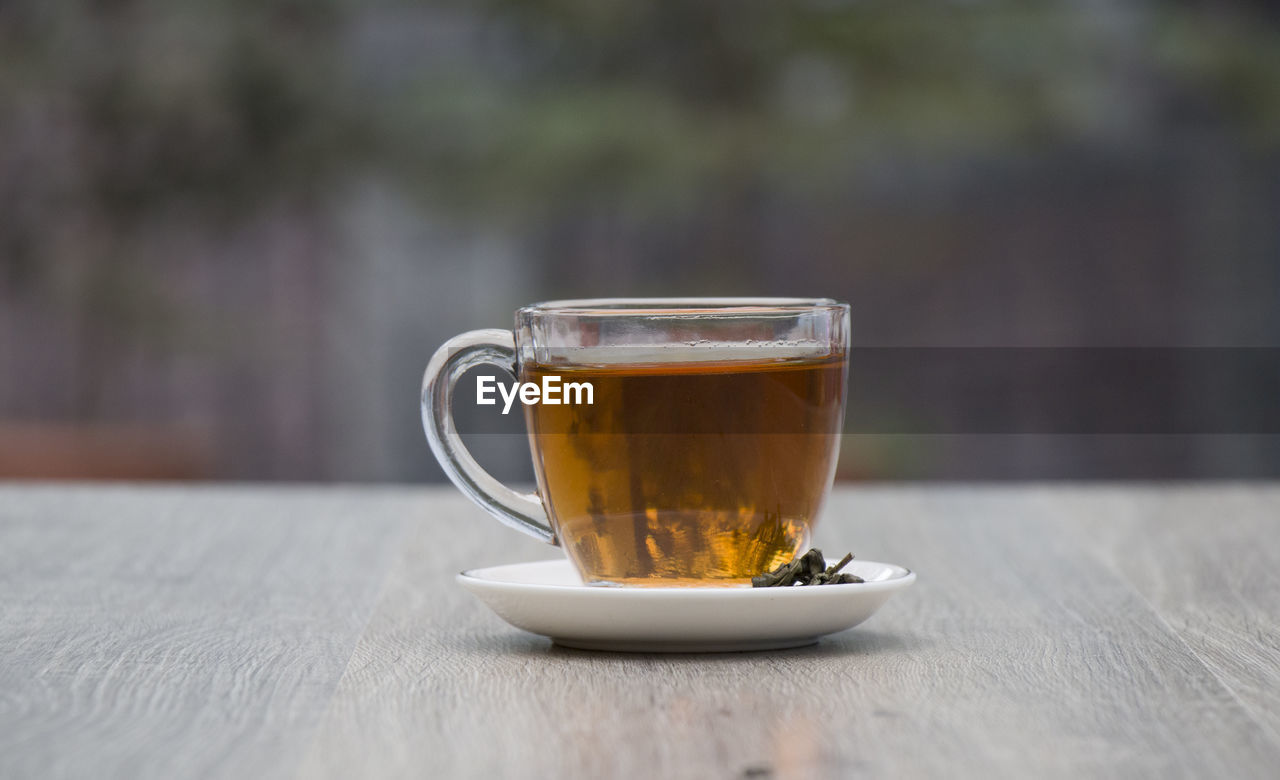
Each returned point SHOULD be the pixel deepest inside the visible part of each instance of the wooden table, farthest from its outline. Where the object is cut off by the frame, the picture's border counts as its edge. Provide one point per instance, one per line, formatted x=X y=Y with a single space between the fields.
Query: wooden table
x=250 y=632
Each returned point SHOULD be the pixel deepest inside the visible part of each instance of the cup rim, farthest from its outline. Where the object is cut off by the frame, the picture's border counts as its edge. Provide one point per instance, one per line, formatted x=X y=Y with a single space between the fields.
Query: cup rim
x=702 y=307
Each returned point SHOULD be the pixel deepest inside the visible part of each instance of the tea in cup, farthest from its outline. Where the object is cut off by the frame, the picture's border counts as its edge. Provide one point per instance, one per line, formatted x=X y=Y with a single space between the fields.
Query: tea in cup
x=674 y=441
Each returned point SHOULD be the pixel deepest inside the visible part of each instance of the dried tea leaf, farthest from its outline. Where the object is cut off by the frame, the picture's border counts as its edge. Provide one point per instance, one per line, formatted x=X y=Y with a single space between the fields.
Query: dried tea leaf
x=838 y=566
x=809 y=569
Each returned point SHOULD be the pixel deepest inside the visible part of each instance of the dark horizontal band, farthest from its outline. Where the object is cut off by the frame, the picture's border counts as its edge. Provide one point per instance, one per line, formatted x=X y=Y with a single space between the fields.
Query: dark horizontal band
x=1032 y=390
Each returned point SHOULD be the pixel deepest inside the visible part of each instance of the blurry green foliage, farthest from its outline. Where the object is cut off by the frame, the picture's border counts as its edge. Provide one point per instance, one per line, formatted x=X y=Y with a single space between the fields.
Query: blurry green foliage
x=653 y=104
x=529 y=108
x=134 y=132
x=143 y=101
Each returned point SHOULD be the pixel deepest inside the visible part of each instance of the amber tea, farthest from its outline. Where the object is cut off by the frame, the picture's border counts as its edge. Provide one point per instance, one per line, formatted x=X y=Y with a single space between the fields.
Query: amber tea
x=688 y=472
x=676 y=441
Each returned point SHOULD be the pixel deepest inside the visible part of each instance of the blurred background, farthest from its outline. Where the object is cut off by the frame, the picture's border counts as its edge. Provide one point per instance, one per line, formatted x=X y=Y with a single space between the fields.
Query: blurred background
x=232 y=233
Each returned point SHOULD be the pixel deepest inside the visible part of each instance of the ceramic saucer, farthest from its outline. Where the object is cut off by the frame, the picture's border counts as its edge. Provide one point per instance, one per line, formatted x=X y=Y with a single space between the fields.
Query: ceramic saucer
x=548 y=598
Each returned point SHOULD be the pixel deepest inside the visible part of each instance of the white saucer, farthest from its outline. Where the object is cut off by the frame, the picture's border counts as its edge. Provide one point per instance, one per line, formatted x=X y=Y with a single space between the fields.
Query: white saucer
x=548 y=598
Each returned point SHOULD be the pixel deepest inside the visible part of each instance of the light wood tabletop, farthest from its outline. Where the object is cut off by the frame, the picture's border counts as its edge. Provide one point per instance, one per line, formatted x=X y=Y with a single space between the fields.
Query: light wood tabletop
x=256 y=632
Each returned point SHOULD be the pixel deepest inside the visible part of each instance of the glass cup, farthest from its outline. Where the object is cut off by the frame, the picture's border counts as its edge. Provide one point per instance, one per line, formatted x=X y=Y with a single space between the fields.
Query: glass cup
x=675 y=441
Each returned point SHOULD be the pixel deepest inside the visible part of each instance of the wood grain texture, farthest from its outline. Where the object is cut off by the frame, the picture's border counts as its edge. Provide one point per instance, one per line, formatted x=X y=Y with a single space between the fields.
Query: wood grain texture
x=180 y=632
x=261 y=632
x=1208 y=560
x=1020 y=652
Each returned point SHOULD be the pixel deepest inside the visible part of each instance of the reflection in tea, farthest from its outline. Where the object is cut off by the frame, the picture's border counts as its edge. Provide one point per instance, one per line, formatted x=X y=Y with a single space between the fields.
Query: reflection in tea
x=688 y=472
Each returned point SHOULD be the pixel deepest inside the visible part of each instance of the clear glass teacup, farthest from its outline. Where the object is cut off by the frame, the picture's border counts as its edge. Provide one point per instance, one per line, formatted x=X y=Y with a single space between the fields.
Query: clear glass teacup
x=675 y=441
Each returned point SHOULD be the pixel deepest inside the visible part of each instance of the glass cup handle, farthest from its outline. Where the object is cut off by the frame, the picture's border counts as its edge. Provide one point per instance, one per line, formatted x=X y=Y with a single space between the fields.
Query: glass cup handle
x=522 y=511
